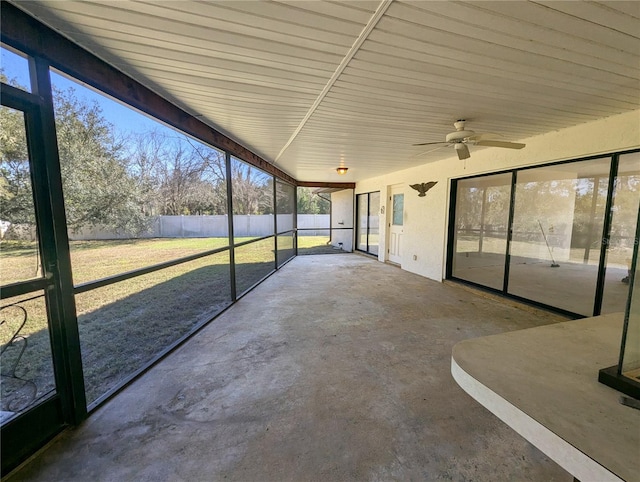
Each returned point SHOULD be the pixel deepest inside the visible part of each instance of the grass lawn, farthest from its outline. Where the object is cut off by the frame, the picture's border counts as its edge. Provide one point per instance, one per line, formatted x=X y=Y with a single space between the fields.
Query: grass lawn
x=316 y=245
x=305 y=242
x=123 y=325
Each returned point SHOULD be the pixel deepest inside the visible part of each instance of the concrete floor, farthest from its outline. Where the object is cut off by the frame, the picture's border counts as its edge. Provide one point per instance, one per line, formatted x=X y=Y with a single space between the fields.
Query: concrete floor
x=336 y=368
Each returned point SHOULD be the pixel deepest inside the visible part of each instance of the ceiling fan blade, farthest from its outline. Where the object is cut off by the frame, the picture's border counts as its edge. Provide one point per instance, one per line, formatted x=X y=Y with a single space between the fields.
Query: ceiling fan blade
x=484 y=135
x=463 y=151
x=428 y=143
x=427 y=152
x=508 y=145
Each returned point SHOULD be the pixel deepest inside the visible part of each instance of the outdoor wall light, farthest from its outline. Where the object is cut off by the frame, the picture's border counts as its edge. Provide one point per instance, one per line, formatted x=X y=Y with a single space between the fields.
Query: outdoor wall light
x=342 y=170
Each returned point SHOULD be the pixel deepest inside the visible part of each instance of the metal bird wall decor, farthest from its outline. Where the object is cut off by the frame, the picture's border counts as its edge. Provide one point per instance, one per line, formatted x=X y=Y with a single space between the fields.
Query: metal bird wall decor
x=422 y=188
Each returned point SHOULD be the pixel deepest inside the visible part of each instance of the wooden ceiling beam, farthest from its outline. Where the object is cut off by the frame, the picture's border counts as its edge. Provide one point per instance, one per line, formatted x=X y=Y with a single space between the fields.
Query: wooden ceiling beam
x=333 y=185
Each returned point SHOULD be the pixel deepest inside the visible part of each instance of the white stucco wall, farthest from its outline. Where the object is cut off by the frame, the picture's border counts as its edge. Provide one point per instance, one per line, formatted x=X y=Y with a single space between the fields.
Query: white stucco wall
x=426 y=217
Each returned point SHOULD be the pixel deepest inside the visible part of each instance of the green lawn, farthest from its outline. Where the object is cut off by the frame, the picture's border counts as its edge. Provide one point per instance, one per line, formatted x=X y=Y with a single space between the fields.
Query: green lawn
x=316 y=245
x=123 y=325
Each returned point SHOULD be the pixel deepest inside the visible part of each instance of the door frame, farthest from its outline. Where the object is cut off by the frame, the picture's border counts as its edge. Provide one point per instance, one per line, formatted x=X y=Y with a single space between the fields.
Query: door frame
x=391 y=190
x=29 y=430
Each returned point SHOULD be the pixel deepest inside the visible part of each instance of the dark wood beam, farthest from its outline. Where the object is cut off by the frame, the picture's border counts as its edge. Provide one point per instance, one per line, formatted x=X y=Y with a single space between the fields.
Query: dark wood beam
x=32 y=37
x=333 y=185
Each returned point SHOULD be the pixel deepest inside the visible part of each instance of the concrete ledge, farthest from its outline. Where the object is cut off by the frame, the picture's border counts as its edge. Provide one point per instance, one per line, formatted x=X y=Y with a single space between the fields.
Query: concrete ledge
x=542 y=382
x=564 y=454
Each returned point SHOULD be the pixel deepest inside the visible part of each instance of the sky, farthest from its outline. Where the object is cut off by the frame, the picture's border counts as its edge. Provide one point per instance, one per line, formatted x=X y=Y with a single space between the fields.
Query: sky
x=123 y=118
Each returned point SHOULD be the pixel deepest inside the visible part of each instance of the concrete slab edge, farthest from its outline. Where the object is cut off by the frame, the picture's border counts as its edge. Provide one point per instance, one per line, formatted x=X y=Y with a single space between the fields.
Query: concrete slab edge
x=564 y=454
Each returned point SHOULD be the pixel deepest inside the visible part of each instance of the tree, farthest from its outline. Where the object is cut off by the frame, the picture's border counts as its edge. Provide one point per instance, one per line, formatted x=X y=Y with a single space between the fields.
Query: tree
x=310 y=203
x=16 y=197
x=121 y=182
x=252 y=189
x=285 y=198
x=98 y=189
x=178 y=176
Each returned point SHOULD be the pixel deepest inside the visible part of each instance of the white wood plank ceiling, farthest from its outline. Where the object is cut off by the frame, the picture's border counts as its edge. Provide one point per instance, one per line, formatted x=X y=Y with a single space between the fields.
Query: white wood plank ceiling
x=308 y=85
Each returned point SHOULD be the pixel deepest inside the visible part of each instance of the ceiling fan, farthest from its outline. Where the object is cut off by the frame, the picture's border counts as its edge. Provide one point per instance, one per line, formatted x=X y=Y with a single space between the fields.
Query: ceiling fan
x=461 y=139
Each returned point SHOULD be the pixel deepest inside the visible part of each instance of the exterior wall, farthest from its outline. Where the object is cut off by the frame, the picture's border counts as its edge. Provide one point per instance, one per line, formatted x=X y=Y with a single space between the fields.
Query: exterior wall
x=342 y=217
x=425 y=233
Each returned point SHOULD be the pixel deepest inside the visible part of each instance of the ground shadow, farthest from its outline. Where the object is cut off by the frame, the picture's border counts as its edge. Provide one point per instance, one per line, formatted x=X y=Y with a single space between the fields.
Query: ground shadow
x=323 y=249
x=121 y=337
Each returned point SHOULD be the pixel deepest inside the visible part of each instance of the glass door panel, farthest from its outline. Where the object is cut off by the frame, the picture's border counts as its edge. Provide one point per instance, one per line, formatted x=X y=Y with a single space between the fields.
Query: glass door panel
x=626 y=200
x=374 y=222
x=630 y=356
x=362 y=221
x=557 y=234
x=480 y=238
x=19 y=256
x=398 y=209
x=27 y=376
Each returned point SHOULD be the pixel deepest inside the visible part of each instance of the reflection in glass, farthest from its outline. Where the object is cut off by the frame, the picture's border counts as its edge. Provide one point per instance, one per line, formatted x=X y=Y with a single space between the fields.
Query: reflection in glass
x=374 y=222
x=123 y=326
x=19 y=251
x=557 y=234
x=480 y=239
x=626 y=200
x=252 y=201
x=25 y=354
x=253 y=262
x=15 y=68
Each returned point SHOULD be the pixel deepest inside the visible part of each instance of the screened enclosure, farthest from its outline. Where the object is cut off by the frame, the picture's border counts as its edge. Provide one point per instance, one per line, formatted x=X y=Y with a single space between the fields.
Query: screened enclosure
x=121 y=237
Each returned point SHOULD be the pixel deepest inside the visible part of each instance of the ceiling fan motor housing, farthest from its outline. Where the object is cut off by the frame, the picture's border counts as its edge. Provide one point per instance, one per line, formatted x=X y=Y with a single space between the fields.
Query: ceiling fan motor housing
x=458 y=136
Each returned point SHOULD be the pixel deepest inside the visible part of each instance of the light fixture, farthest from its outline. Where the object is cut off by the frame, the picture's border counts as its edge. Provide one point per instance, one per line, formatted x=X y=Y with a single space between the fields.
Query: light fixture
x=342 y=170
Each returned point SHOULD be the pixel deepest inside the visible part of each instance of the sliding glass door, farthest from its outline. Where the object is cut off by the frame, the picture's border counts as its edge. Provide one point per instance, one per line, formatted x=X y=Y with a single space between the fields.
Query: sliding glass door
x=368 y=229
x=558 y=235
